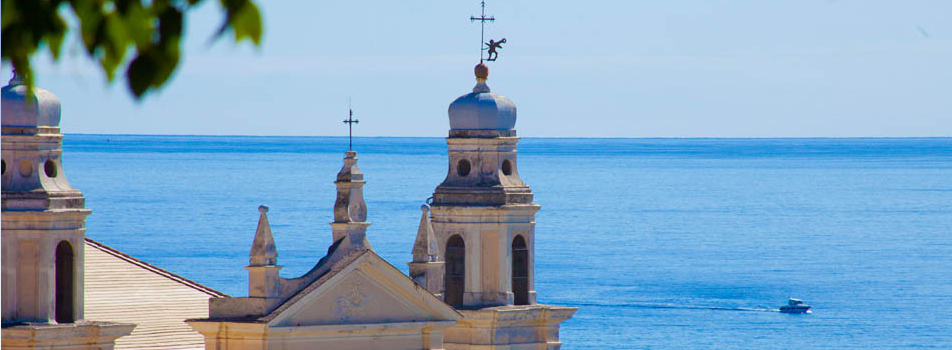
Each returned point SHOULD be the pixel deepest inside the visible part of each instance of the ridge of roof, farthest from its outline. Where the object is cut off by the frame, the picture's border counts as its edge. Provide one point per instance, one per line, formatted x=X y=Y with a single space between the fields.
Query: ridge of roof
x=155 y=269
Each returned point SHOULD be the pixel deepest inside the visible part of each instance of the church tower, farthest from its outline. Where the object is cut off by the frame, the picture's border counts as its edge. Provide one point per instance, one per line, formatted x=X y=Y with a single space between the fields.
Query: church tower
x=482 y=212
x=479 y=238
x=44 y=221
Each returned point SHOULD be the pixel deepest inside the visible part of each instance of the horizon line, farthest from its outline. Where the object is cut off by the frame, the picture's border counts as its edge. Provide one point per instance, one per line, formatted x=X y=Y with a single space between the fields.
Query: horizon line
x=541 y=137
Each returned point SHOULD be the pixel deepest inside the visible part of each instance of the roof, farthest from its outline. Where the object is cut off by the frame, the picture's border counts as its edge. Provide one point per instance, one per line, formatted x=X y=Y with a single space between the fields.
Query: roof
x=121 y=288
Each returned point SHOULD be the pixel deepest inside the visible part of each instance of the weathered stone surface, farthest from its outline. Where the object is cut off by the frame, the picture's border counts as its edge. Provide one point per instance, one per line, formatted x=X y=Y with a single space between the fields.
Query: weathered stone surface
x=525 y=326
x=482 y=171
x=83 y=335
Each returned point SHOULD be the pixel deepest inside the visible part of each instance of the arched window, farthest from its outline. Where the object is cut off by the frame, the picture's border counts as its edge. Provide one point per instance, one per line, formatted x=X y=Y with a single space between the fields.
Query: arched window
x=520 y=271
x=64 y=282
x=454 y=279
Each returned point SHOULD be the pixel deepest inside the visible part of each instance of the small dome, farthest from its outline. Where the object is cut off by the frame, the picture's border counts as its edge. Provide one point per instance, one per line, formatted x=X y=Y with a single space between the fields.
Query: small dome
x=482 y=109
x=17 y=112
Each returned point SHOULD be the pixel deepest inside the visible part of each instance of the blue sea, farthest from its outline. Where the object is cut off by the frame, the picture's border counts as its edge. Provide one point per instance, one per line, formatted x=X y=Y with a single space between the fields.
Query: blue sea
x=660 y=243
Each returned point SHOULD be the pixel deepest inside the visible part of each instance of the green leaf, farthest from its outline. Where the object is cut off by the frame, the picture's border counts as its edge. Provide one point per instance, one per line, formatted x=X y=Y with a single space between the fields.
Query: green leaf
x=247 y=23
x=244 y=19
x=170 y=24
x=140 y=74
x=90 y=22
x=10 y=14
x=54 y=38
x=138 y=23
x=110 y=29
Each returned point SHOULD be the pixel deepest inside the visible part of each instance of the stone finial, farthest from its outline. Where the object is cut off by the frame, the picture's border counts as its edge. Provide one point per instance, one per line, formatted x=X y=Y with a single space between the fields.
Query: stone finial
x=263 y=251
x=482 y=72
x=350 y=211
x=350 y=206
x=350 y=171
x=425 y=247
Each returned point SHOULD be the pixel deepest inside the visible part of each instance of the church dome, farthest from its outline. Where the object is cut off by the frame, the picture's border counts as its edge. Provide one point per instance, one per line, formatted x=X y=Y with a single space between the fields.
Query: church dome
x=17 y=112
x=482 y=109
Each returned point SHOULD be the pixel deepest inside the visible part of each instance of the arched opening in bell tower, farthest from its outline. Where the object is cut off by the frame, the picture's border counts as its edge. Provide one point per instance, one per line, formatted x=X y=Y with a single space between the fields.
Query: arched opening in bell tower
x=454 y=279
x=520 y=271
x=64 y=282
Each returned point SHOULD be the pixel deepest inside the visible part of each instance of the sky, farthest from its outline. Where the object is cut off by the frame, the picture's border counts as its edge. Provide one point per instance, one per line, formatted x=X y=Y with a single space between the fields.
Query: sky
x=807 y=68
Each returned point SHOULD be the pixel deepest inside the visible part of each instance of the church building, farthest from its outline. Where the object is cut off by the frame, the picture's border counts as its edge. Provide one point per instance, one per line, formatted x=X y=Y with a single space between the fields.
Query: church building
x=471 y=282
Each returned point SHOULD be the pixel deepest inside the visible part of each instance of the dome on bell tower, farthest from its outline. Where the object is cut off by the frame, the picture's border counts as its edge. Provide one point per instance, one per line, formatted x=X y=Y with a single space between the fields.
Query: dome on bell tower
x=33 y=177
x=482 y=109
x=43 y=110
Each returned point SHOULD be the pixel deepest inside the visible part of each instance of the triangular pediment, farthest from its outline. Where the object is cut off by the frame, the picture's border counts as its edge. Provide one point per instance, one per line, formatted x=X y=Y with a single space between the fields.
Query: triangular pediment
x=367 y=290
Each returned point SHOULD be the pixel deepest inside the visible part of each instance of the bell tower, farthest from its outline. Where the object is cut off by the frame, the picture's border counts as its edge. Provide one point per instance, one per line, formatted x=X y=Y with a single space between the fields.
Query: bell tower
x=483 y=217
x=476 y=244
x=44 y=226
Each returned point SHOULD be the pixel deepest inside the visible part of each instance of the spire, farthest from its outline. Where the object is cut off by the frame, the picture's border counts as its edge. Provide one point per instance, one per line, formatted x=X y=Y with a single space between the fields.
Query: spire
x=350 y=206
x=263 y=251
x=425 y=248
x=350 y=211
x=426 y=269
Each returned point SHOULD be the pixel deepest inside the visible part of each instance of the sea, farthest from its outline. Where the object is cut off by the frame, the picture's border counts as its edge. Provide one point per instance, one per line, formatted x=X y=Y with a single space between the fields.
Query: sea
x=660 y=243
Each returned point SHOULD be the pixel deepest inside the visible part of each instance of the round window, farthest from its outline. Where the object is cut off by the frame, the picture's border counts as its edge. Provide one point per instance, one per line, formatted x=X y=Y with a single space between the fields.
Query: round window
x=506 y=167
x=463 y=167
x=50 y=168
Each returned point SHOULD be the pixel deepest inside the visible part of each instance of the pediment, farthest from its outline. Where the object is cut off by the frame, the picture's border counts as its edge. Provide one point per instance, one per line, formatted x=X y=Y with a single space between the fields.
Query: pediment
x=367 y=290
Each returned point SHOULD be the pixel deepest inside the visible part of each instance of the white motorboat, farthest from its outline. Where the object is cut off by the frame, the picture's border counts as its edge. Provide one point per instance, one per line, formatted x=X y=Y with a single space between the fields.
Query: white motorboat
x=795 y=306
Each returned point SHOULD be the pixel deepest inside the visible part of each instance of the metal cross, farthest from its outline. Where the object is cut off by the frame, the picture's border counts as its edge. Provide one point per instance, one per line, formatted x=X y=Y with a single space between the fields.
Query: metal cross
x=482 y=27
x=350 y=121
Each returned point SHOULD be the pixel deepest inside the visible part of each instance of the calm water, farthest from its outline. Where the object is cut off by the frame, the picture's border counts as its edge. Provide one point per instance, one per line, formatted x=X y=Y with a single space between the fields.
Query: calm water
x=661 y=243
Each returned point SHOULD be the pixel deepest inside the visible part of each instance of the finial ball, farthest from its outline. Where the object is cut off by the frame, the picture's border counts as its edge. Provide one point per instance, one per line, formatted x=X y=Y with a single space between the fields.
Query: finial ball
x=482 y=71
x=263 y=209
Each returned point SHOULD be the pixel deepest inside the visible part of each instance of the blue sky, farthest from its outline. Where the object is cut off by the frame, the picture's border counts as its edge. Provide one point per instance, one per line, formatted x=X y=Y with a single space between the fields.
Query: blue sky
x=810 y=68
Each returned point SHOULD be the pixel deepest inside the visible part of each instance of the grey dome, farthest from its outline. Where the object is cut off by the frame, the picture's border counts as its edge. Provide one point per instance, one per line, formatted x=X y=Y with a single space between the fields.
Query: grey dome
x=482 y=109
x=17 y=112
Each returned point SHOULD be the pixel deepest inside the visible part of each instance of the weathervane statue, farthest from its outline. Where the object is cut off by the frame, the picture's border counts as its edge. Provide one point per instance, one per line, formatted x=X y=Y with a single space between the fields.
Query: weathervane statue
x=492 y=45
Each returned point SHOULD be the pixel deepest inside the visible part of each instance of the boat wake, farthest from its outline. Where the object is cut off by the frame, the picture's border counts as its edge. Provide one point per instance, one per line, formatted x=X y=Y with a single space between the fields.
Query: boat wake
x=676 y=306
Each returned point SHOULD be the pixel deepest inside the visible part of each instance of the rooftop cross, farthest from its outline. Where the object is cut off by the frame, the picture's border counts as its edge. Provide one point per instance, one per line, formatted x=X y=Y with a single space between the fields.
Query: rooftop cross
x=482 y=28
x=350 y=121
